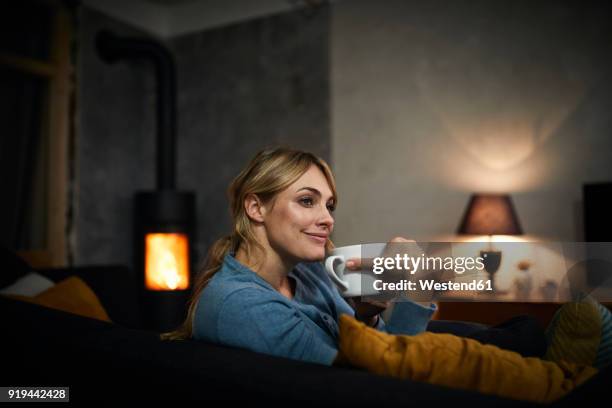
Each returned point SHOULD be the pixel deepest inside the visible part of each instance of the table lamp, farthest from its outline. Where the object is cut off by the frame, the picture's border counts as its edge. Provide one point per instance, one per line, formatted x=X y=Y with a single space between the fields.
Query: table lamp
x=490 y=214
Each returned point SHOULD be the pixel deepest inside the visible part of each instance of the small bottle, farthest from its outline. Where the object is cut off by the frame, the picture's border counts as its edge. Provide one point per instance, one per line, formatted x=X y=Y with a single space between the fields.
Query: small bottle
x=523 y=282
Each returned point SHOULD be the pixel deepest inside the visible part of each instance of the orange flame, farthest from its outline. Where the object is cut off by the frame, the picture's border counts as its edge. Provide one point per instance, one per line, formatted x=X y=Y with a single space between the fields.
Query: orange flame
x=166 y=262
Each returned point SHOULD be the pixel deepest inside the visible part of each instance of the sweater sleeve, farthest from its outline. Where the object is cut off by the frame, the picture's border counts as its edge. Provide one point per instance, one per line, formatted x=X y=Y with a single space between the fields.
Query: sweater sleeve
x=255 y=320
x=408 y=317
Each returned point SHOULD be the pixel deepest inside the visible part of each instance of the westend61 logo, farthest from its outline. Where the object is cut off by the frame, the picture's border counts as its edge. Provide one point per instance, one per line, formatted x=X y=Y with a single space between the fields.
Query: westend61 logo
x=411 y=264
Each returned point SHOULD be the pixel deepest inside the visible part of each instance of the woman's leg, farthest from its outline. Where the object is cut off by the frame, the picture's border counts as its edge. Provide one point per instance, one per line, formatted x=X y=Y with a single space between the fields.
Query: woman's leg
x=459 y=362
x=521 y=334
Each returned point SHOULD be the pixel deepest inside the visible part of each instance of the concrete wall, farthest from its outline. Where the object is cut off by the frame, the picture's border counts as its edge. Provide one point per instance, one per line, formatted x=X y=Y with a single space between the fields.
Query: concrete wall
x=243 y=88
x=114 y=146
x=240 y=88
x=434 y=100
x=430 y=101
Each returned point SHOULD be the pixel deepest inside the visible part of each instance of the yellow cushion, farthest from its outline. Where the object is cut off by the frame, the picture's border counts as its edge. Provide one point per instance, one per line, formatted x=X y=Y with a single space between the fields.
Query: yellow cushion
x=458 y=362
x=71 y=295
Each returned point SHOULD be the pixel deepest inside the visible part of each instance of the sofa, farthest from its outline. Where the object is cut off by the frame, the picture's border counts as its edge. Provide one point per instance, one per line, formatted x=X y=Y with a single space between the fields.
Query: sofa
x=108 y=362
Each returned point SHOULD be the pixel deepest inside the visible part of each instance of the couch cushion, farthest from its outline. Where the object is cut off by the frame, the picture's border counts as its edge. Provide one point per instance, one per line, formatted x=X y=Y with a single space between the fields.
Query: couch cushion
x=31 y=284
x=114 y=285
x=70 y=295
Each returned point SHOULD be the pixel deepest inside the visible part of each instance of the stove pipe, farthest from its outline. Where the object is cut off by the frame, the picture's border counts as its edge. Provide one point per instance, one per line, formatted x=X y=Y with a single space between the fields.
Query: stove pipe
x=111 y=49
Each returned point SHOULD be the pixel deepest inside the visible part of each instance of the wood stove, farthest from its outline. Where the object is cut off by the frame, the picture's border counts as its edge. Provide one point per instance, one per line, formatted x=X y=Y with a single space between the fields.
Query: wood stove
x=164 y=219
x=163 y=233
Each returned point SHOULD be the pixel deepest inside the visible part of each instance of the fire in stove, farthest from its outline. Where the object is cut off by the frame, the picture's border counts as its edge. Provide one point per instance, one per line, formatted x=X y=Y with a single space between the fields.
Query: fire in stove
x=166 y=261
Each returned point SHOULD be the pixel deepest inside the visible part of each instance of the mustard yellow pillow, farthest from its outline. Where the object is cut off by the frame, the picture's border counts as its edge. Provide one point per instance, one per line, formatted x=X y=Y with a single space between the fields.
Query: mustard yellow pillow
x=71 y=295
x=452 y=361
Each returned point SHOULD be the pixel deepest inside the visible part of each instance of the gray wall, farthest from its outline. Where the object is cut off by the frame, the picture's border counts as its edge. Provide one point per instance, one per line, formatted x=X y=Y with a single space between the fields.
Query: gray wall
x=114 y=146
x=429 y=102
x=245 y=87
x=434 y=100
x=240 y=88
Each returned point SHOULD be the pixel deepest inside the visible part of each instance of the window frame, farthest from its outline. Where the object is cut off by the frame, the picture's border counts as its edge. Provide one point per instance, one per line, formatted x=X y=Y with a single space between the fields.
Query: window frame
x=58 y=71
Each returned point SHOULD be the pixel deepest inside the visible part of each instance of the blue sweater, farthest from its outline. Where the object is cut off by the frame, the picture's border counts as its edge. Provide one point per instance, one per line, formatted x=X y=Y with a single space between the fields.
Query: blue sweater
x=239 y=308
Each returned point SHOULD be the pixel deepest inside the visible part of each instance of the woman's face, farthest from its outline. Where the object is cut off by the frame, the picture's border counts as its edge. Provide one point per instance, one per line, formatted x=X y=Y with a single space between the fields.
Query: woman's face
x=299 y=220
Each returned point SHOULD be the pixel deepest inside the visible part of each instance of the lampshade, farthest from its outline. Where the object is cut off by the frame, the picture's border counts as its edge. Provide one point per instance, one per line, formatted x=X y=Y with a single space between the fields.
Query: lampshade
x=490 y=214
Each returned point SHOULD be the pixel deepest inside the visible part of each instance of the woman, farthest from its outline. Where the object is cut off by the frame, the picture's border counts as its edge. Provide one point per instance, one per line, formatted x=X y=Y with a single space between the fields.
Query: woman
x=263 y=287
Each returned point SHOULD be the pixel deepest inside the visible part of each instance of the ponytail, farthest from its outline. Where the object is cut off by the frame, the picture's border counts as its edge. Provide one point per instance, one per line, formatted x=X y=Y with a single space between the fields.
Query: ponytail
x=214 y=260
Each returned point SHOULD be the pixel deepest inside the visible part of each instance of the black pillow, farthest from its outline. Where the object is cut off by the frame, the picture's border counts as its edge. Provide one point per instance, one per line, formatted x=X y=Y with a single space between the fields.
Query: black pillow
x=12 y=267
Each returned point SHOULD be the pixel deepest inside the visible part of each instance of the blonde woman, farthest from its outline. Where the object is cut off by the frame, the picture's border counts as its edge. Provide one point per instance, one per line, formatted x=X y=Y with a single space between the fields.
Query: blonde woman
x=263 y=287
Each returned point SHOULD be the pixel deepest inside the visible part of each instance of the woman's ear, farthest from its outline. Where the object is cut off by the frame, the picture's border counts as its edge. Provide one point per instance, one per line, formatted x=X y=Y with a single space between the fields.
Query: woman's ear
x=254 y=208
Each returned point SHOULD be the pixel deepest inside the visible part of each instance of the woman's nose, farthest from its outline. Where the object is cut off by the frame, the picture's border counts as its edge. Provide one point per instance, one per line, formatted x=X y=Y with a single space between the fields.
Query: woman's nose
x=326 y=218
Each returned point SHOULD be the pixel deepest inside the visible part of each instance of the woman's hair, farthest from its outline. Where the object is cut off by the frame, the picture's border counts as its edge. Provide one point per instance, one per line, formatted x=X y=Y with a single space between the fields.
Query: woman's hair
x=269 y=172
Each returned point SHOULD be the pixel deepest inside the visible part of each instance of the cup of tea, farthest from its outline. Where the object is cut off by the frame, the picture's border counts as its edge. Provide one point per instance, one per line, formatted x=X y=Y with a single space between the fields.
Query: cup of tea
x=350 y=282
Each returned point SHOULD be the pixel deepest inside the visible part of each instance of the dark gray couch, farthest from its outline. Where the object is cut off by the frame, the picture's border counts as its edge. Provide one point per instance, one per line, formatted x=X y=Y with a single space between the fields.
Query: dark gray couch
x=111 y=362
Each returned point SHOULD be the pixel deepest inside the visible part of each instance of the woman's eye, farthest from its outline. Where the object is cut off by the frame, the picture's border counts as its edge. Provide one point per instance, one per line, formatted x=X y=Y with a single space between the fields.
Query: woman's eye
x=307 y=201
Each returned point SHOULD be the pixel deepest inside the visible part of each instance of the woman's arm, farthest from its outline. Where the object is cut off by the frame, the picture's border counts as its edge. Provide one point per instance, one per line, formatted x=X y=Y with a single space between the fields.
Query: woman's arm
x=408 y=317
x=259 y=321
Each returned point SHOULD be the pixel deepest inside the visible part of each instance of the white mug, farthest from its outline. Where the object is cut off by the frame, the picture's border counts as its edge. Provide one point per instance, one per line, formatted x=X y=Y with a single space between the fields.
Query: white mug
x=352 y=283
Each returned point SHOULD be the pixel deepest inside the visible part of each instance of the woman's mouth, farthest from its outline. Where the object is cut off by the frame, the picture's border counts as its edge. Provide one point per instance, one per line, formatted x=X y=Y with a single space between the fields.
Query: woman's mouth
x=319 y=238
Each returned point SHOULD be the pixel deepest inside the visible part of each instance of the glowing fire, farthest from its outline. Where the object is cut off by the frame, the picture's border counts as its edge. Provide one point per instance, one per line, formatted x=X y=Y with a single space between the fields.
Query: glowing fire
x=166 y=261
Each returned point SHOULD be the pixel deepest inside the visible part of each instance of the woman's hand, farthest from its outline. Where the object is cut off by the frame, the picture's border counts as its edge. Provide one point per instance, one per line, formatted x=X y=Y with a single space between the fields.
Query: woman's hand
x=367 y=311
x=355 y=264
